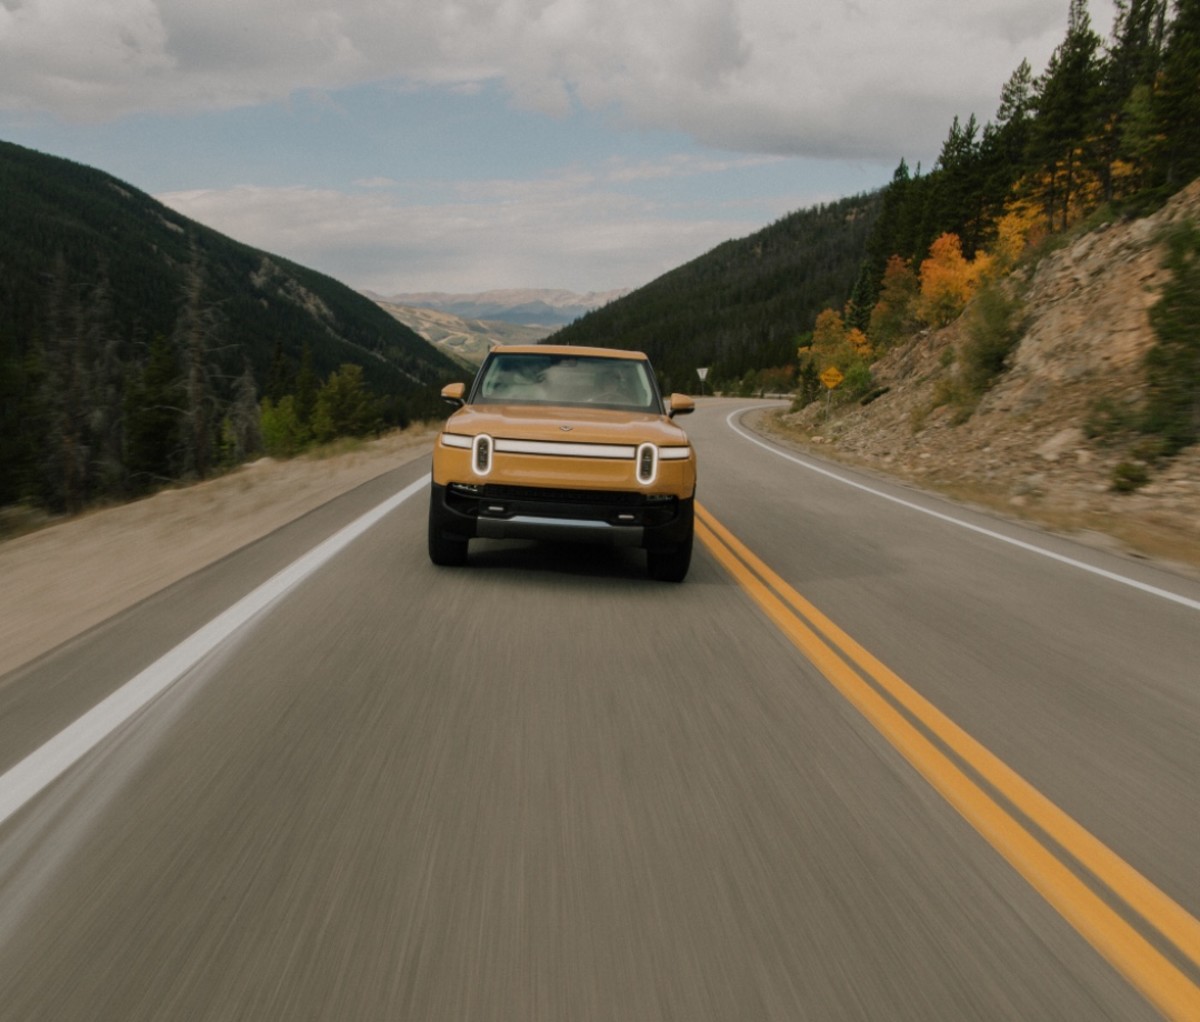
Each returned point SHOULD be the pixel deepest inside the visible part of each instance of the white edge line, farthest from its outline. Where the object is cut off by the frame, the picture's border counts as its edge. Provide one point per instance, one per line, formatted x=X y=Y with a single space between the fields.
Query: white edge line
x=42 y=766
x=1061 y=558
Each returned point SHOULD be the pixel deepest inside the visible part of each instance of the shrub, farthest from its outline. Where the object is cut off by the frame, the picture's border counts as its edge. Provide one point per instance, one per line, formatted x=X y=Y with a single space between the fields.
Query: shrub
x=993 y=329
x=283 y=434
x=1109 y=421
x=1129 y=476
x=857 y=380
x=1173 y=364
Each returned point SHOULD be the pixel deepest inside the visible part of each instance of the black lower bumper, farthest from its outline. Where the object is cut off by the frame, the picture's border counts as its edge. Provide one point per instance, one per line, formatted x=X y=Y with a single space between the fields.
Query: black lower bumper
x=615 y=518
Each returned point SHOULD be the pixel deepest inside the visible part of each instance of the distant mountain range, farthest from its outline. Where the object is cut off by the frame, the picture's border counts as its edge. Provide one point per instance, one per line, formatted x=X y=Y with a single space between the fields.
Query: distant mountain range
x=467 y=340
x=537 y=307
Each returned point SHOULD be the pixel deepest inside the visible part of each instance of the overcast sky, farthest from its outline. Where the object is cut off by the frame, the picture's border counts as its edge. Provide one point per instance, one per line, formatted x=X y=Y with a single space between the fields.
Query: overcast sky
x=464 y=145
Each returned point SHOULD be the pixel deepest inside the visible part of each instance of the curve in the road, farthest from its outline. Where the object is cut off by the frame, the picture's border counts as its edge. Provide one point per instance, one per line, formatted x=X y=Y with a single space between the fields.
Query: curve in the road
x=1113 y=576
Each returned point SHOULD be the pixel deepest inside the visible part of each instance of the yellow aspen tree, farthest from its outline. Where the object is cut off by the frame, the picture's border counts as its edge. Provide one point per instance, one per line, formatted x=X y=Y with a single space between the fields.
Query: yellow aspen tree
x=1021 y=225
x=835 y=344
x=829 y=331
x=947 y=281
x=894 y=315
x=858 y=343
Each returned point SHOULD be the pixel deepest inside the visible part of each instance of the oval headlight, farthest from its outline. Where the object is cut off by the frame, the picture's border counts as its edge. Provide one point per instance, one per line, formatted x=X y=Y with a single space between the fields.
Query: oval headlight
x=647 y=464
x=481 y=454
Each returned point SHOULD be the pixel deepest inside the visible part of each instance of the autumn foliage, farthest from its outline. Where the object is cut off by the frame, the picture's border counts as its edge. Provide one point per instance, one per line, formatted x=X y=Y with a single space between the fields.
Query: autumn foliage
x=1021 y=226
x=834 y=344
x=894 y=315
x=948 y=280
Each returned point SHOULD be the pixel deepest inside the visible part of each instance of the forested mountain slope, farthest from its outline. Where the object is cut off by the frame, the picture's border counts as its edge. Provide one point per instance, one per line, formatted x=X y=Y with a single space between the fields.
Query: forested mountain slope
x=113 y=306
x=1058 y=435
x=742 y=306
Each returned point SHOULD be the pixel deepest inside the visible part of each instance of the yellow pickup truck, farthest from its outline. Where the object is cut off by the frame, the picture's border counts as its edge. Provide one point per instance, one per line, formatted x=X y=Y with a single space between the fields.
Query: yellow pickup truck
x=565 y=443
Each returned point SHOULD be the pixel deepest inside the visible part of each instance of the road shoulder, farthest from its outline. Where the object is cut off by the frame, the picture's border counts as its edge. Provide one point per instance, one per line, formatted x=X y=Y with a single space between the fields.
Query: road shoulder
x=69 y=577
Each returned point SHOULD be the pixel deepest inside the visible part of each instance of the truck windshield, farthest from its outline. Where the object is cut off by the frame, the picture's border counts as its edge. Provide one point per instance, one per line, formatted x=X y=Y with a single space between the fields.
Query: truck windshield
x=535 y=379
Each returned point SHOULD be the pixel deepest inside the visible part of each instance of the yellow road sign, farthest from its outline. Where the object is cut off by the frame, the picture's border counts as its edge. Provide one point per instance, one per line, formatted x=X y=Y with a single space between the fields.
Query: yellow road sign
x=831 y=377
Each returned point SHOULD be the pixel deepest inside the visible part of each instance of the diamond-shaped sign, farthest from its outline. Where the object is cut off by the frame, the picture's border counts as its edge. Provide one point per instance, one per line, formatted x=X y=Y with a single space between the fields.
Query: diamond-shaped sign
x=831 y=377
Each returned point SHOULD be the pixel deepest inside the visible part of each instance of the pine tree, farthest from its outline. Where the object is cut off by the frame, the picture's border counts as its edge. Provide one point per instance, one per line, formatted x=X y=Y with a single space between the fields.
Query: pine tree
x=1008 y=143
x=960 y=184
x=193 y=331
x=306 y=389
x=1129 y=73
x=281 y=379
x=1068 y=116
x=15 y=457
x=890 y=236
x=344 y=406
x=1178 y=99
x=153 y=418
x=1135 y=55
x=107 y=419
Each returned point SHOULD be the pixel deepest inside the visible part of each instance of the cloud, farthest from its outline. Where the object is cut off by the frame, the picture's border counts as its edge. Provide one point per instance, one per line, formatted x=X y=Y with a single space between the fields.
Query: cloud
x=868 y=79
x=575 y=230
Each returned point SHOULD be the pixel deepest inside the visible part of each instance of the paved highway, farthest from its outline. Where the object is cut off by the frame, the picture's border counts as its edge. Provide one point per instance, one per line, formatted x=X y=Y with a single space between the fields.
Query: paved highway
x=879 y=757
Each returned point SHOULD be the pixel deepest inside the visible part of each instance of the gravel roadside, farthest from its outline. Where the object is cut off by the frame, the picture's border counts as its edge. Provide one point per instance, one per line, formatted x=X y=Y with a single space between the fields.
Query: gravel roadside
x=62 y=580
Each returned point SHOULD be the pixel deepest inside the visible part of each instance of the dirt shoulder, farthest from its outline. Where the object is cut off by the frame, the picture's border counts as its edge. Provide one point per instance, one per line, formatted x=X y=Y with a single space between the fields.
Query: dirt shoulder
x=66 y=578
x=1161 y=523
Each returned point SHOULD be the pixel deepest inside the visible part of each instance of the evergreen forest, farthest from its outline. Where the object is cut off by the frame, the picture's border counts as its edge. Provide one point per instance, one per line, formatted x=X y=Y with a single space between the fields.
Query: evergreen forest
x=739 y=308
x=138 y=347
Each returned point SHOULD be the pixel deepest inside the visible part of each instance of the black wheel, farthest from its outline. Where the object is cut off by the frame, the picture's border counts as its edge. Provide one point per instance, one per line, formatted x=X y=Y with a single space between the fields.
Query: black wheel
x=672 y=565
x=445 y=551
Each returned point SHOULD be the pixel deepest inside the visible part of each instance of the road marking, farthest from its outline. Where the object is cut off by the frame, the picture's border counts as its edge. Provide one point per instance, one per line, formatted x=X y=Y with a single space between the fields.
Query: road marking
x=42 y=766
x=1112 y=576
x=833 y=652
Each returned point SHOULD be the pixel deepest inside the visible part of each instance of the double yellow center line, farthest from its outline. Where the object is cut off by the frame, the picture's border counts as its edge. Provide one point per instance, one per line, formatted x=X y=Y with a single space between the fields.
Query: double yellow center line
x=912 y=724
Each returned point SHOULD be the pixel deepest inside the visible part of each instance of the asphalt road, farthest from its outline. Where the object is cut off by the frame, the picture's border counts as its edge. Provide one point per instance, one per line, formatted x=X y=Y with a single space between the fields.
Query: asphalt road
x=877 y=758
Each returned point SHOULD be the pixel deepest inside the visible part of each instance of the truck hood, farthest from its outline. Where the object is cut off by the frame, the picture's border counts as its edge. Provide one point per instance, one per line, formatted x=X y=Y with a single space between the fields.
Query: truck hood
x=571 y=425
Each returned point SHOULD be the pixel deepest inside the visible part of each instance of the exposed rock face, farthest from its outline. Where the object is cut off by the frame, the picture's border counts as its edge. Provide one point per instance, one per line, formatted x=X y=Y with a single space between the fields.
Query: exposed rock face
x=1026 y=448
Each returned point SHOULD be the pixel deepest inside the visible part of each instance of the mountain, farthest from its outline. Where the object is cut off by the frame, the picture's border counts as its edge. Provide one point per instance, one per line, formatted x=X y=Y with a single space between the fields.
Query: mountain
x=466 y=340
x=526 y=307
x=68 y=226
x=115 y=309
x=744 y=305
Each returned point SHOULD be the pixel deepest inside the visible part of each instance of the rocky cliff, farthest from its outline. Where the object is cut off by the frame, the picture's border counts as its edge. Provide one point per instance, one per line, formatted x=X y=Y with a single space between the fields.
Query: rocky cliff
x=1032 y=447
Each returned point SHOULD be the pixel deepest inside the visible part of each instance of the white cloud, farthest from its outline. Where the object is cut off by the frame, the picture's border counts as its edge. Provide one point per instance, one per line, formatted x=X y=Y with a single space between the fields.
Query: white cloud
x=848 y=83
x=872 y=78
x=570 y=231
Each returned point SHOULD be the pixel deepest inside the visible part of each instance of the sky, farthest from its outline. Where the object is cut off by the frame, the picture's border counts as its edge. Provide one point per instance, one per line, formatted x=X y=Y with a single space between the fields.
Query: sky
x=467 y=145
